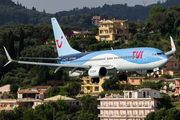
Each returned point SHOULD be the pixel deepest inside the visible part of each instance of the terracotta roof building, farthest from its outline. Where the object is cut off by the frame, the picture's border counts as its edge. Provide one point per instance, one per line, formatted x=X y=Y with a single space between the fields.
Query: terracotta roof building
x=38 y=92
x=70 y=101
x=113 y=30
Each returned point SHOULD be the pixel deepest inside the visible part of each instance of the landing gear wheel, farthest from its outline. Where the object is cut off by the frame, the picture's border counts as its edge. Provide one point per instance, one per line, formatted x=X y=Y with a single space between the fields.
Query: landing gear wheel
x=97 y=80
x=93 y=80
x=155 y=75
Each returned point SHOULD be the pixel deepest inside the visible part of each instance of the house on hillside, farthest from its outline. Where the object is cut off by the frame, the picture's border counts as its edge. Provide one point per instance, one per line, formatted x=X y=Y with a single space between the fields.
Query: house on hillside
x=95 y=20
x=136 y=81
x=113 y=30
x=38 y=92
x=92 y=88
x=170 y=68
x=5 y=88
x=70 y=101
x=177 y=86
x=10 y=104
x=134 y=105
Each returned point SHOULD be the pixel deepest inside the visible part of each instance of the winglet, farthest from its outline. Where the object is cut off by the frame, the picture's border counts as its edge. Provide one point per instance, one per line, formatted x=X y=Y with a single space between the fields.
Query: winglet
x=172 y=44
x=173 y=48
x=8 y=56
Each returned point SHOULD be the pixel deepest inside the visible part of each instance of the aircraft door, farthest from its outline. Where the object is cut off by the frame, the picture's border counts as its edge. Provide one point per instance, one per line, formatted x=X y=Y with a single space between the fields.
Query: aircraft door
x=145 y=54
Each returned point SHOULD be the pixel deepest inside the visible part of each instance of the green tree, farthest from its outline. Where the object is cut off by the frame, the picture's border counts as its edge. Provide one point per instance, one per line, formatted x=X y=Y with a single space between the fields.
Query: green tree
x=74 y=88
x=95 y=30
x=53 y=91
x=160 y=113
x=173 y=114
x=45 y=111
x=85 y=116
x=150 y=116
x=156 y=9
x=89 y=105
x=164 y=102
x=7 y=115
x=106 y=85
x=21 y=40
x=14 y=88
x=167 y=76
x=63 y=107
x=18 y=111
x=150 y=84
x=29 y=114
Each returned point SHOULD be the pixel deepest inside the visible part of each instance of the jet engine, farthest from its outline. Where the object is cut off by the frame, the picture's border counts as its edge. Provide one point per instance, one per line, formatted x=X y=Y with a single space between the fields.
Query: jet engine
x=97 y=72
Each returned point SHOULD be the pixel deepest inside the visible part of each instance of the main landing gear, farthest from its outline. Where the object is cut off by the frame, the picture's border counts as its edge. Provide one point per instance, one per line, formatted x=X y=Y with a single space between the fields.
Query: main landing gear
x=95 y=80
x=155 y=75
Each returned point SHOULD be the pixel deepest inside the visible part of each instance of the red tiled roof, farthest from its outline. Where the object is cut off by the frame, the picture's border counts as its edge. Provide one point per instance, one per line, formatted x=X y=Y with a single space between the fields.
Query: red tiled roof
x=41 y=87
x=27 y=91
x=160 y=78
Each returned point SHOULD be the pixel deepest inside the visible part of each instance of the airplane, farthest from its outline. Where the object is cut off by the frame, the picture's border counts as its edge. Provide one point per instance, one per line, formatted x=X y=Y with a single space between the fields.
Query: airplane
x=98 y=64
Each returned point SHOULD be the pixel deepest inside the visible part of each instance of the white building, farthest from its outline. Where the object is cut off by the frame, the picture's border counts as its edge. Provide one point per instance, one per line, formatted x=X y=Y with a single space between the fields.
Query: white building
x=135 y=105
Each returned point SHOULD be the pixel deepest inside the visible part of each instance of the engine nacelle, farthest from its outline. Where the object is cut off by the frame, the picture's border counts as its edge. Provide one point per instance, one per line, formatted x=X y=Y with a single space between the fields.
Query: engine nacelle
x=97 y=72
x=144 y=71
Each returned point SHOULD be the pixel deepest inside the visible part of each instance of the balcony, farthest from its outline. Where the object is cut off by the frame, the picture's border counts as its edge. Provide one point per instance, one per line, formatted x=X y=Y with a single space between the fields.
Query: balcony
x=122 y=115
x=103 y=28
x=129 y=106
x=177 y=85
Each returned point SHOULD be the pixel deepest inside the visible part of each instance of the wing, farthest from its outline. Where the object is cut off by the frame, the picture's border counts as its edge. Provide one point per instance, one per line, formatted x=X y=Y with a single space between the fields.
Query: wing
x=57 y=66
x=37 y=58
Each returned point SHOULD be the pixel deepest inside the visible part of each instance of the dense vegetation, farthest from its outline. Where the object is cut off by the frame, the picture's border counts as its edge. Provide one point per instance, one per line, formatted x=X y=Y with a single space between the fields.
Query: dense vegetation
x=58 y=110
x=30 y=41
x=13 y=14
x=166 y=110
x=27 y=41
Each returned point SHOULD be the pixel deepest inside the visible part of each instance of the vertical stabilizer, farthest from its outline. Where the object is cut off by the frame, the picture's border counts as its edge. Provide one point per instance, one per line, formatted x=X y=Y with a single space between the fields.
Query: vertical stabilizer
x=173 y=48
x=63 y=47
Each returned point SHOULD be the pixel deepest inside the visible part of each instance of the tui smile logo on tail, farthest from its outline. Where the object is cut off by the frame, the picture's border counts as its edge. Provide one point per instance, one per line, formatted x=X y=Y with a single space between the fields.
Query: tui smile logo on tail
x=58 y=43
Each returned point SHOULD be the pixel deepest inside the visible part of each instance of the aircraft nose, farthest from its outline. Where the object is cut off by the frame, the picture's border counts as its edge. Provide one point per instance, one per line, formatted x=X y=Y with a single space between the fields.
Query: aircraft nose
x=165 y=59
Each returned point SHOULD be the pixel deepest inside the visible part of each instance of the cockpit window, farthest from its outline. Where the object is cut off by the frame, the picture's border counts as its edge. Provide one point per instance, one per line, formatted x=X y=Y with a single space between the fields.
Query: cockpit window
x=160 y=53
x=154 y=54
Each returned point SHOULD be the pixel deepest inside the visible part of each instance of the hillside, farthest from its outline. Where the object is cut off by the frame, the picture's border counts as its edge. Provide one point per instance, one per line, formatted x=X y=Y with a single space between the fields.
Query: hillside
x=121 y=11
x=13 y=14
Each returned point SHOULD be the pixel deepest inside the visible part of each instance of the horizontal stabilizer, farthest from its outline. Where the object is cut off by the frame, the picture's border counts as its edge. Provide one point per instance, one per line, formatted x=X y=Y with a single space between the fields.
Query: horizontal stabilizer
x=8 y=56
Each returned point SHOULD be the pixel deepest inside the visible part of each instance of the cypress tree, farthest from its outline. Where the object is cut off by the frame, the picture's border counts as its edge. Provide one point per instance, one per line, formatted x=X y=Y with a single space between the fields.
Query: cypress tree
x=10 y=43
x=3 y=43
x=21 y=40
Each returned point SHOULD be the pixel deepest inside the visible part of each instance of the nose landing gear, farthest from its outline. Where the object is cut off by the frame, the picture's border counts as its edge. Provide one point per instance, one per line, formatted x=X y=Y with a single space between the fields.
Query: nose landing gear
x=155 y=72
